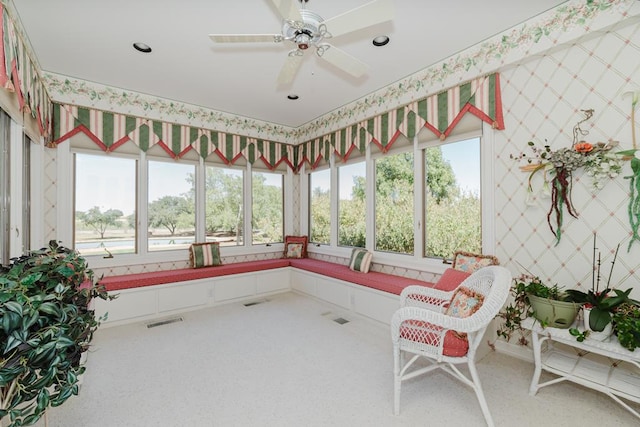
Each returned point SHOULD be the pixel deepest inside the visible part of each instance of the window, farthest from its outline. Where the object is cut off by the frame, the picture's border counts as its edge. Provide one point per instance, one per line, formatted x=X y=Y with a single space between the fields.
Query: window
x=394 y=230
x=352 y=209
x=5 y=176
x=105 y=204
x=320 y=206
x=452 y=197
x=26 y=192
x=267 y=218
x=224 y=208
x=171 y=206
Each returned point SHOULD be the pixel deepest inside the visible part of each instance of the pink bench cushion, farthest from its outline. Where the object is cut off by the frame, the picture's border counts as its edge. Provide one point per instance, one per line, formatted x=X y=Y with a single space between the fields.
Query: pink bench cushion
x=372 y=279
x=127 y=281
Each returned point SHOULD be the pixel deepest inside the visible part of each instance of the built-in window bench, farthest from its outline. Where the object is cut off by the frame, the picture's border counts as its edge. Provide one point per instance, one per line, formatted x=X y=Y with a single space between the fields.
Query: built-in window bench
x=154 y=295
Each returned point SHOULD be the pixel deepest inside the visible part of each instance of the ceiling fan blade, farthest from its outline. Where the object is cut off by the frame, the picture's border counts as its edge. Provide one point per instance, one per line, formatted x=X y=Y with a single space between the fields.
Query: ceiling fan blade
x=364 y=16
x=288 y=9
x=290 y=68
x=344 y=61
x=245 y=38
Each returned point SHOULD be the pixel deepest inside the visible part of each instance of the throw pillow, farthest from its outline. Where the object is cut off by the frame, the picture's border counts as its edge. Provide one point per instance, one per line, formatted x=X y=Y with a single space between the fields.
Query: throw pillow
x=204 y=254
x=293 y=240
x=360 y=260
x=469 y=262
x=450 y=279
x=464 y=302
x=294 y=250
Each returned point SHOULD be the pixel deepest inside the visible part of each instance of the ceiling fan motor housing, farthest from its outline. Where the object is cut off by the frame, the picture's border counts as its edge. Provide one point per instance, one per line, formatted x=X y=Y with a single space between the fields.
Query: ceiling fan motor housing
x=306 y=32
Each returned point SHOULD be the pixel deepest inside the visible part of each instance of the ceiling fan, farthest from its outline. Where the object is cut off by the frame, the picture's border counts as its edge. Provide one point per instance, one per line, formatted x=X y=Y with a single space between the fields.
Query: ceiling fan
x=306 y=28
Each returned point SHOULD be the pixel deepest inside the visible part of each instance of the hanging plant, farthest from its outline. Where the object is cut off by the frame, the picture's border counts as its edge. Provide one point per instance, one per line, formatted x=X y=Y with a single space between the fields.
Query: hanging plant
x=633 y=209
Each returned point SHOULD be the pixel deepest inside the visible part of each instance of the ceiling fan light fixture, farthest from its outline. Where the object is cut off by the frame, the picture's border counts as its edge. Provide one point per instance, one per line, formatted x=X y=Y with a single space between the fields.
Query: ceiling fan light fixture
x=380 y=41
x=142 y=47
x=302 y=40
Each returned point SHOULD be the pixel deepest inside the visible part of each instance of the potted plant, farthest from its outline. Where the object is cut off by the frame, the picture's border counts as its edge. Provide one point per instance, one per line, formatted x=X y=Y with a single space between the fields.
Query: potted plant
x=46 y=324
x=626 y=324
x=550 y=305
x=599 y=305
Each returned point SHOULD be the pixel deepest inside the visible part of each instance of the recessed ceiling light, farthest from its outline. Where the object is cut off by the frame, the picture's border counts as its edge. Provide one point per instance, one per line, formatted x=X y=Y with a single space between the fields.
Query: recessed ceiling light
x=380 y=41
x=141 y=47
x=292 y=97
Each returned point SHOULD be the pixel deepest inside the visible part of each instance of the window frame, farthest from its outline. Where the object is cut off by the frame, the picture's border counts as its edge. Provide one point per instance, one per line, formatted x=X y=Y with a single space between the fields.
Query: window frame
x=66 y=215
x=417 y=260
x=249 y=183
x=329 y=169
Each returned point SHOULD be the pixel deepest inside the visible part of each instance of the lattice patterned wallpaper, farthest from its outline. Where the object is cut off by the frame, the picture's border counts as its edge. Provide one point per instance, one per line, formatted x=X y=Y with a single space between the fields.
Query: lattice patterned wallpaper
x=50 y=202
x=542 y=98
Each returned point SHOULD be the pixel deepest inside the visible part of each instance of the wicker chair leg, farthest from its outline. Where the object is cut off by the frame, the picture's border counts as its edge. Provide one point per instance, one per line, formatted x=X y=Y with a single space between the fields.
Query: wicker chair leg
x=397 y=379
x=477 y=387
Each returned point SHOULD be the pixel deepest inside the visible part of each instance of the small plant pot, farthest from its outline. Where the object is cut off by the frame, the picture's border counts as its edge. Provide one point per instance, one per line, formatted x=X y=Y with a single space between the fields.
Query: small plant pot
x=596 y=335
x=553 y=313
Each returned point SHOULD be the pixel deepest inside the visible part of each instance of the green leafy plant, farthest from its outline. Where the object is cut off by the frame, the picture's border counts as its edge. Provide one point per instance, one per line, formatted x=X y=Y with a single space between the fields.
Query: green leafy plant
x=46 y=323
x=520 y=308
x=626 y=324
x=601 y=302
x=633 y=208
x=580 y=335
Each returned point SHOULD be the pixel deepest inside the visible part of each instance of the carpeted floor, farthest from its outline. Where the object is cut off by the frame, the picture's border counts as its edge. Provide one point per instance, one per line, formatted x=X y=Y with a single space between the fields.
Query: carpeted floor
x=286 y=362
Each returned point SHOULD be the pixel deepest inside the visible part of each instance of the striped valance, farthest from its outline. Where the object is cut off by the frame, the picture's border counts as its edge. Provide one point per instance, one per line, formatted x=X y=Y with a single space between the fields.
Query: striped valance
x=111 y=130
x=439 y=113
x=19 y=74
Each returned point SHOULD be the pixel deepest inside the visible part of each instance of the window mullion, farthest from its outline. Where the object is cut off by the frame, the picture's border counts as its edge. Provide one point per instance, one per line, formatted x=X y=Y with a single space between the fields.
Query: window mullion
x=419 y=207
x=370 y=189
x=200 y=201
x=333 y=206
x=143 y=204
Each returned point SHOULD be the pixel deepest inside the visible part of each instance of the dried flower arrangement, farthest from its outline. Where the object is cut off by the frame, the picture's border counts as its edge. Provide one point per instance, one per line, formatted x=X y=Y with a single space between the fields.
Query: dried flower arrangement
x=598 y=160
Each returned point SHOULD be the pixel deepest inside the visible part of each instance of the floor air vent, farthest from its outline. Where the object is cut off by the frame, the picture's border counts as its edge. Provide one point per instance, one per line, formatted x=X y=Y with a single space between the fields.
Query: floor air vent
x=164 y=322
x=252 y=303
x=341 y=320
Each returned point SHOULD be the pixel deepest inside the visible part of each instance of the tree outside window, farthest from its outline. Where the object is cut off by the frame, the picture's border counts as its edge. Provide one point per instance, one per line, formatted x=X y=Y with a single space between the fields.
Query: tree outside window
x=224 y=208
x=394 y=203
x=352 y=208
x=171 y=206
x=105 y=205
x=267 y=218
x=452 y=197
x=320 y=206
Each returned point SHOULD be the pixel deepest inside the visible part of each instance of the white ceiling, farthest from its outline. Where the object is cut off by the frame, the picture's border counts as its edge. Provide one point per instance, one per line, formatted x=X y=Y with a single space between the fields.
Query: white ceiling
x=92 y=40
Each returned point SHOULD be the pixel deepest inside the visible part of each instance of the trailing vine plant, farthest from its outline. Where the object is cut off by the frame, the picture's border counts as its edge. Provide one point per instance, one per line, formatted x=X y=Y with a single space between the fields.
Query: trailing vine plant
x=633 y=209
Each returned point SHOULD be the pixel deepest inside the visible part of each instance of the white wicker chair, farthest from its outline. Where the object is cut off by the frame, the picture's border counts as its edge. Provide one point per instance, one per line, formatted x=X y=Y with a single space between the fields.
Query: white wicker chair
x=426 y=307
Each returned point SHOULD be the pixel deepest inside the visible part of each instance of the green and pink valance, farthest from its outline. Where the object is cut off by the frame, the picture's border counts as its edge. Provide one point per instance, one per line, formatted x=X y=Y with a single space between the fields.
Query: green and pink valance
x=110 y=131
x=439 y=113
x=18 y=74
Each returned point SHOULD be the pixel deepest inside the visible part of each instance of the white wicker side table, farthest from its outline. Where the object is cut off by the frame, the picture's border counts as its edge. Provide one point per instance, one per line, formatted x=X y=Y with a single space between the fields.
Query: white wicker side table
x=605 y=366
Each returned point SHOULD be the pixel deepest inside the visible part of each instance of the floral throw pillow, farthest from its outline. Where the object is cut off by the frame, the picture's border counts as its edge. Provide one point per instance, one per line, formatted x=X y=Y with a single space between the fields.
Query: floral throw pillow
x=464 y=302
x=292 y=240
x=469 y=262
x=294 y=250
